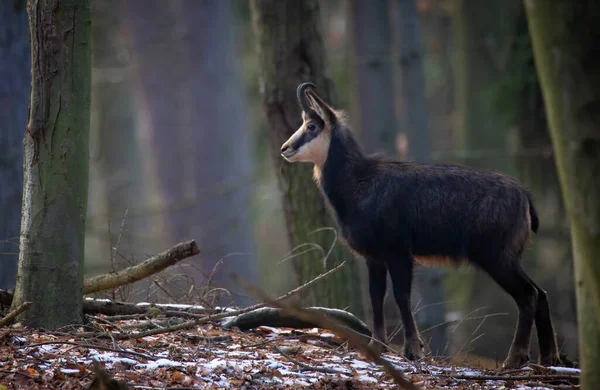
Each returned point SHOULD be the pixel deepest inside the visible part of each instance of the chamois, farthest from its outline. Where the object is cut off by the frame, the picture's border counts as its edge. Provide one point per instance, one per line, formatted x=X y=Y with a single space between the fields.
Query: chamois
x=396 y=214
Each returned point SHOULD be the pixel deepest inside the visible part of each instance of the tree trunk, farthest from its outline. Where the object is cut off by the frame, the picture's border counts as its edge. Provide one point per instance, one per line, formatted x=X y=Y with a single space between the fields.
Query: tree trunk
x=197 y=132
x=429 y=290
x=14 y=99
x=483 y=34
x=56 y=164
x=564 y=36
x=374 y=75
x=214 y=119
x=291 y=51
x=116 y=185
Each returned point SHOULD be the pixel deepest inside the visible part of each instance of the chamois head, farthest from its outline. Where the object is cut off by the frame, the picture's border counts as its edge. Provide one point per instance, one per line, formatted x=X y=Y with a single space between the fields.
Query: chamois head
x=310 y=143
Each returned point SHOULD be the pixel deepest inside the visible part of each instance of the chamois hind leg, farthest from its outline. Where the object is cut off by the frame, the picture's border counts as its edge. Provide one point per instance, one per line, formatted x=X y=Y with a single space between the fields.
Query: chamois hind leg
x=401 y=272
x=545 y=330
x=507 y=272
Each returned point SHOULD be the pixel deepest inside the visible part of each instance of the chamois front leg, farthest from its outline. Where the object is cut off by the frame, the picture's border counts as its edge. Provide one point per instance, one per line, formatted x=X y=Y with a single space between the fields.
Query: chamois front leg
x=401 y=272
x=377 y=286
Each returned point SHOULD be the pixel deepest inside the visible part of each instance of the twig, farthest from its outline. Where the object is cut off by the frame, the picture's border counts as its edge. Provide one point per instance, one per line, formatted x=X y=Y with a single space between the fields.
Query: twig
x=213 y=317
x=10 y=316
x=184 y=325
x=305 y=366
x=144 y=269
x=92 y=346
x=16 y=373
x=106 y=322
x=326 y=323
x=508 y=377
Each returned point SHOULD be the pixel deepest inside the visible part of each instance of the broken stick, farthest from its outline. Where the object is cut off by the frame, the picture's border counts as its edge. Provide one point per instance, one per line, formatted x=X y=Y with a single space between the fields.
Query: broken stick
x=10 y=316
x=143 y=270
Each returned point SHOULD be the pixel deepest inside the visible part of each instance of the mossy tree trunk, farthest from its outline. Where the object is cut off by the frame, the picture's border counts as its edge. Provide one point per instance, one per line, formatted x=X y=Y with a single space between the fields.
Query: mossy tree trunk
x=50 y=272
x=565 y=35
x=291 y=51
x=14 y=98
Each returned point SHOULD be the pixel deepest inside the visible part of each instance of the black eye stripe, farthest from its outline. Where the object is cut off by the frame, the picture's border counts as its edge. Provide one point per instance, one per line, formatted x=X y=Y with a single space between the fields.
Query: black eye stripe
x=305 y=138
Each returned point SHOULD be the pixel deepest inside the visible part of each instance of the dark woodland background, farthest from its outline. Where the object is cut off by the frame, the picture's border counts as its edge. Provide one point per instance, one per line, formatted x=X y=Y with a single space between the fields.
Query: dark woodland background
x=180 y=149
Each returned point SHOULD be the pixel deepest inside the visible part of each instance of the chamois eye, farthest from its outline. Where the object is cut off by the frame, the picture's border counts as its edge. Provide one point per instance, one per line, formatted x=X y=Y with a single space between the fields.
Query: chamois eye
x=311 y=127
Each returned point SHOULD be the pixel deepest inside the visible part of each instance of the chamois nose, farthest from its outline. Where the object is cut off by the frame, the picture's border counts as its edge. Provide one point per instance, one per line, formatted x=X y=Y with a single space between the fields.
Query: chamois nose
x=284 y=148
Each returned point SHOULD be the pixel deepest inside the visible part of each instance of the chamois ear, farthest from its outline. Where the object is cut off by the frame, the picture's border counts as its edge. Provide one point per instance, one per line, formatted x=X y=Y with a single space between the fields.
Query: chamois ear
x=323 y=109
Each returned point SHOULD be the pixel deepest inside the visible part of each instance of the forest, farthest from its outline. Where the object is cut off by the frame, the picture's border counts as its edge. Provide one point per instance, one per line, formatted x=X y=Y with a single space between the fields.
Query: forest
x=290 y=194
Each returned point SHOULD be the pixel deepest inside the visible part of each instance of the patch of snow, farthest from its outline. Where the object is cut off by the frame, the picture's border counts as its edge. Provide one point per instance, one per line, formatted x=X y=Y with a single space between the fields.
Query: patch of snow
x=566 y=370
x=364 y=378
x=110 y=357
x=17 y=339
x=69 y=371
x=359 y=364
x=164 y=363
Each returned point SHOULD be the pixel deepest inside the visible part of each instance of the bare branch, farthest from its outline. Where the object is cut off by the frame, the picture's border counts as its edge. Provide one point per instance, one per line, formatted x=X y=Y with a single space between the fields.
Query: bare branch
x=143 y=270
x=10 y=316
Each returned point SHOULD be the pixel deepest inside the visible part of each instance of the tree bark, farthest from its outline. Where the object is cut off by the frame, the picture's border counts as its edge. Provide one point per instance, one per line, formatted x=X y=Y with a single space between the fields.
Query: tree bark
x=14 y=94
x=291 y=51
x=374 y=75
x=50 y=272
x=429 y=289
x=564 y=36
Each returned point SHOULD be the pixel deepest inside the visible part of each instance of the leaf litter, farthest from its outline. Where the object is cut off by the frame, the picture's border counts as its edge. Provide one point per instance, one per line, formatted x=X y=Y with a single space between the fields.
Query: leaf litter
x=211 y=357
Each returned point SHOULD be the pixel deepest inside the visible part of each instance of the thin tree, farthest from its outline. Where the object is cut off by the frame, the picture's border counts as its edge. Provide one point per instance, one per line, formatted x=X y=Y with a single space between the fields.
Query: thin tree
x=428 y=282
x=564 y=36
x=14 y=98
x=374 y=74
x=50 y=272
x=482 y=33
x=291 y=50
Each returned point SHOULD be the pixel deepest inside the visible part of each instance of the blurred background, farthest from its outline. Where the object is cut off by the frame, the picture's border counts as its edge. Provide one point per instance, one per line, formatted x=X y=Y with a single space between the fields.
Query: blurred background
x=180 y=149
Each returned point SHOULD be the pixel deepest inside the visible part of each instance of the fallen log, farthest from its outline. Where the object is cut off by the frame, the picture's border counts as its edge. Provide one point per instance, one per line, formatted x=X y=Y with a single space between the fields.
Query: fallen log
x=278 y=318
x=326 y=322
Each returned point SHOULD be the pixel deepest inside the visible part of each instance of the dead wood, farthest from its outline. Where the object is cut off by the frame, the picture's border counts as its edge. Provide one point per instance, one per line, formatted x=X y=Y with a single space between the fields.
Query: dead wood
x=10 y=316
x=278 y=318
x=307 y=367
x=143 y=270
x=325 y=322
x=92 y=346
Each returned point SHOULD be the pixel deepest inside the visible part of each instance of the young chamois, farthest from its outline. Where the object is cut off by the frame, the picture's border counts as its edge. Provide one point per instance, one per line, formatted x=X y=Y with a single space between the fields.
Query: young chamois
x=396 y=214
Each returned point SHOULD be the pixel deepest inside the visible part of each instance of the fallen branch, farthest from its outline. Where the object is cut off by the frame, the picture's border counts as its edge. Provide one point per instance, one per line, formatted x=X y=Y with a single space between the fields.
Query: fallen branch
x=111 y=308
x=307 y=367
x=10 y=316
x=143 y=270
x=508 y=377
x=277 y=318
x=327 y=323
x=16 y=373
x=92 y=346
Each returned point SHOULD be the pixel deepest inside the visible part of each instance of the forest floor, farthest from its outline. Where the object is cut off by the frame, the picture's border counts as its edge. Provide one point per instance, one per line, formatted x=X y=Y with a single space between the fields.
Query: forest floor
x=209 y=356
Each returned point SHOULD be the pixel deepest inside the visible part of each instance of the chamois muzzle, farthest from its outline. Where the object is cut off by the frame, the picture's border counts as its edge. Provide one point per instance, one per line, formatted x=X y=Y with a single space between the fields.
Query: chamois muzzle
x=302 y=97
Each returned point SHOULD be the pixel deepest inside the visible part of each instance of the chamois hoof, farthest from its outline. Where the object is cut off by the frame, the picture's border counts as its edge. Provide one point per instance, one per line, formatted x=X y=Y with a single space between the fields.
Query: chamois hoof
x=413 y=350
x=551 y=361
x=516 y=360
